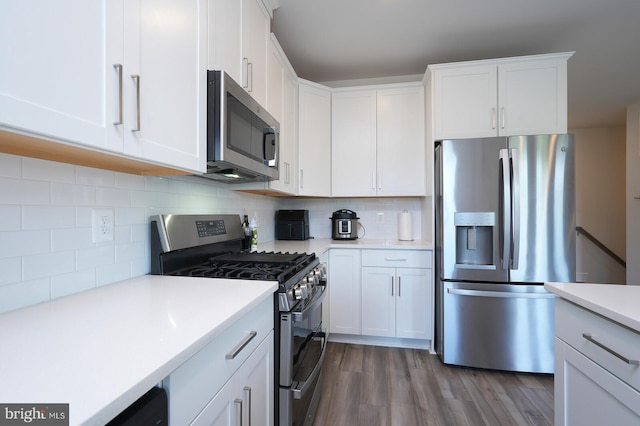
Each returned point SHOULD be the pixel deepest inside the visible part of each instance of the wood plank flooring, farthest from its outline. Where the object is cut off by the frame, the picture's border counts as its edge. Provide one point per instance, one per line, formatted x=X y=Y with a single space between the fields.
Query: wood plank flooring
x=373 y=385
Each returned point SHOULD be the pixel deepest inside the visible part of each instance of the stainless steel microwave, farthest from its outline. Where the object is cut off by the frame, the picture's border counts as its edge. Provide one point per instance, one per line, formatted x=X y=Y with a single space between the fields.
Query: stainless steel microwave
x=242 y=137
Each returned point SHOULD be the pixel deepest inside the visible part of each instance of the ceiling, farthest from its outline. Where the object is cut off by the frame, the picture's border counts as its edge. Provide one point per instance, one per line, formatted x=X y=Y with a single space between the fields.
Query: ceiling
x=334 y=40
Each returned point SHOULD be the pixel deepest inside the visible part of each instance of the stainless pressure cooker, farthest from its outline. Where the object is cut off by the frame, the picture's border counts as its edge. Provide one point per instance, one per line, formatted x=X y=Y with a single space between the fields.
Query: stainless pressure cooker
x=344 y=225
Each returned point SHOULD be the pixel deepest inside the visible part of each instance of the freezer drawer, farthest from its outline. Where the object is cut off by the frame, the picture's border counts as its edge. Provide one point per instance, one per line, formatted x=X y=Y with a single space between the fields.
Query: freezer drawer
x=498 y=326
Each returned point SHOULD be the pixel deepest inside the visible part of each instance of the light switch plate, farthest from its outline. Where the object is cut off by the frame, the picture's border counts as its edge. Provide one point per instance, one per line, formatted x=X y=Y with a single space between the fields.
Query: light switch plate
x=102 y=225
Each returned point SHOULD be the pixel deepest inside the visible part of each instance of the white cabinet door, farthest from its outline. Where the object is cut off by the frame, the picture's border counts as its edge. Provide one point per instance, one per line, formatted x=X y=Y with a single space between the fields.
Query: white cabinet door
x=396 y=302
x=413 y=303
x=353 y=143
x=465 y=102
x=344 y=291
x=502 y=97
x=532 y=97
x=314 y=139
x=585 y=393
x=378 y=301
x=255 y=41
x=401 y=159
x=165 y=82
x=282 y=102
x=225 y=40
x=247 y=398
x=57 y=78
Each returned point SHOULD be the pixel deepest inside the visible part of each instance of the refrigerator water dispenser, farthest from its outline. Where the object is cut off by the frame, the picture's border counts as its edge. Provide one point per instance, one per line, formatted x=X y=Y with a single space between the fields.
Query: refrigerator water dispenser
x=474 y=239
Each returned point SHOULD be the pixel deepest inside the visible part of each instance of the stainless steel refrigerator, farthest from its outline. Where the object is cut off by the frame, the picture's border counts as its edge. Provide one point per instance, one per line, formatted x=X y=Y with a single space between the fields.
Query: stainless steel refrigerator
x=505 y=224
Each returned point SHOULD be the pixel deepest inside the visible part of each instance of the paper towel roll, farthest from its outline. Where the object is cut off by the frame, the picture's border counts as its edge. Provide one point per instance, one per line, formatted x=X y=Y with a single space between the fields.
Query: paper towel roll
x=405 y=226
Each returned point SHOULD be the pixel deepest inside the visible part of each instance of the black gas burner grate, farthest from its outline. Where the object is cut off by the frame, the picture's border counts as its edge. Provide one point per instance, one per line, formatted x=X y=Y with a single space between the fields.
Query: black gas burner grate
x=251 y=266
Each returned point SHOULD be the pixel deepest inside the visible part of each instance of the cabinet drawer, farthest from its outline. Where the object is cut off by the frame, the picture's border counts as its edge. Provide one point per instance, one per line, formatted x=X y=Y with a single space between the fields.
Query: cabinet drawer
x=610 y=342
x=397 y=258
x=195 y=382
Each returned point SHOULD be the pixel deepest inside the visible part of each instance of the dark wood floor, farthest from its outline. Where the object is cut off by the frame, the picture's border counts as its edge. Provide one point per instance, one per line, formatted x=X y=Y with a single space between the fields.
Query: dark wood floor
x=372 y=385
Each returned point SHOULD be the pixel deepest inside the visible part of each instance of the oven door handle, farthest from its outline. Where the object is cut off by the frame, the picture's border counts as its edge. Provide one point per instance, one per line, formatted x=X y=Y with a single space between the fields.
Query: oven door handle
x=312 y=306
x=299 y=389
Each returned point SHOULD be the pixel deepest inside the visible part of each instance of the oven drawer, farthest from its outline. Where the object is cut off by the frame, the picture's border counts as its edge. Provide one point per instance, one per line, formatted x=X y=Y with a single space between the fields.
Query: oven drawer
x=609 y=344
x=194 y=383
x=397 y=258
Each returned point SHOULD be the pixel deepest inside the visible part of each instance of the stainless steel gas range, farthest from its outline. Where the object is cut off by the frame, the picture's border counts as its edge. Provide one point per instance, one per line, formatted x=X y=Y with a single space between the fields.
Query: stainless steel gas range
x=210 y=246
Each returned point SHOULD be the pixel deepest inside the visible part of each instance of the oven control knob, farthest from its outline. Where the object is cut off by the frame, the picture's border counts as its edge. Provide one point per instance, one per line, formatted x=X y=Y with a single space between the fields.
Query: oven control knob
x=301 y=292
x=312 y=279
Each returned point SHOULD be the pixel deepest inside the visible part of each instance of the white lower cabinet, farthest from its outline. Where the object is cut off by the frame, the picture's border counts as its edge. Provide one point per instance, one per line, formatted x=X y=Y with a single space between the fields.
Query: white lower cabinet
x=380 y=293
x=232 y=376
x=247 y=397
x=394 y=301
x=397 y=291
x=597 y=379
x=344 y=291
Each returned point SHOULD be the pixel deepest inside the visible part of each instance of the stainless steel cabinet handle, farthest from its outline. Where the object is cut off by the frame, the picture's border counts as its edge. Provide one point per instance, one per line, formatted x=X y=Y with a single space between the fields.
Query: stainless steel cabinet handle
x=118 y=68
x=238 y=403
x=247 y=389
x=241 y=346
x=493 y=118
x=391 y=286
x=399 y=286
x=301 y=178
x=250 y=77
x=373 y=181
x=395 y=259
x=590 y=338
x=136 y=80
x=245 y=71
x=502 y=117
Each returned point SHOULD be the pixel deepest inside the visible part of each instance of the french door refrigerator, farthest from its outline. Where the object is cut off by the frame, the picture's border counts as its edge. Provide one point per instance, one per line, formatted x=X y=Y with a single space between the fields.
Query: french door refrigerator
x=505 y=224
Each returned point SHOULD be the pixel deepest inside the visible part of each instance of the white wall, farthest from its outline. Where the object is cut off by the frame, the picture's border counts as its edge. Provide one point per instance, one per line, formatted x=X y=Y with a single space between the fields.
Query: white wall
x=46 y=249
x=600 y=202
x=633 y=191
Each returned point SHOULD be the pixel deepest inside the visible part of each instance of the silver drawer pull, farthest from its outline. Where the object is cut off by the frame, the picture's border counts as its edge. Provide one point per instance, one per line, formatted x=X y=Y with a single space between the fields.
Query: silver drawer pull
x=242 y=345
x=395 y=259
x=590 y=338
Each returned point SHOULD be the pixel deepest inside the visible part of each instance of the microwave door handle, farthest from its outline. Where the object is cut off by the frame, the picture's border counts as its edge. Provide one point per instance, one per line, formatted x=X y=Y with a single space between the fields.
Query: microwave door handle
x=515 y=194
x=266 y=140
x=505 y=197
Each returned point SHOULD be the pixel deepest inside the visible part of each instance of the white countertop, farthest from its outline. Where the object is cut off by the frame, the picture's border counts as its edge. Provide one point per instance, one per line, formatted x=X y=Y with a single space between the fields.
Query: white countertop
x=102 y=349
x=321 y=245
x=620 y=303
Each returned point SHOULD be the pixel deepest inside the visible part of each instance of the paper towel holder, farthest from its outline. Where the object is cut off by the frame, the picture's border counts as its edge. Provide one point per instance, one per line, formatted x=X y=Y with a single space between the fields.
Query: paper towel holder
x=405 y=226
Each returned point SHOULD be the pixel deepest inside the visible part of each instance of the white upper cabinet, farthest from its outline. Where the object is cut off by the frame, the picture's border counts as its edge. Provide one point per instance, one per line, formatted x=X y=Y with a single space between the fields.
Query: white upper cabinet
x=314 y=139
x=124 y=76
x=502 y=97
x=164 y=81
x=378 y=142
x=240 y=42
x=57 y=78
x=282 y=103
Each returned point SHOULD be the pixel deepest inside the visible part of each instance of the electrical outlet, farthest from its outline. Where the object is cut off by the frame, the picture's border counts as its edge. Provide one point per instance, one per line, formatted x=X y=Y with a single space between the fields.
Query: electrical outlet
x=380 y=217
x=102 y=225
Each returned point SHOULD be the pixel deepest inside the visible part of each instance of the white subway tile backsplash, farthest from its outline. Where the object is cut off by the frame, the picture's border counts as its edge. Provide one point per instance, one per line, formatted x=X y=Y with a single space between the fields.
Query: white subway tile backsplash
x=71 y=239
x=10 y=165
x=24 y=243
x=49 y=264
x=23 y=294
x=36 y=169
x=46 y=217
x=22 y=191
x=73 y=195
x=46 y=249
x=11 y=270
x=75 y=282
x=10 y=218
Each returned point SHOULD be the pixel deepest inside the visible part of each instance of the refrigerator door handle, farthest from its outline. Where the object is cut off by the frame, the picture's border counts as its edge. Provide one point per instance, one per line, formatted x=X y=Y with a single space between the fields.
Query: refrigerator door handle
x=505 y=199
x=502 y=294
x=515 y=255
